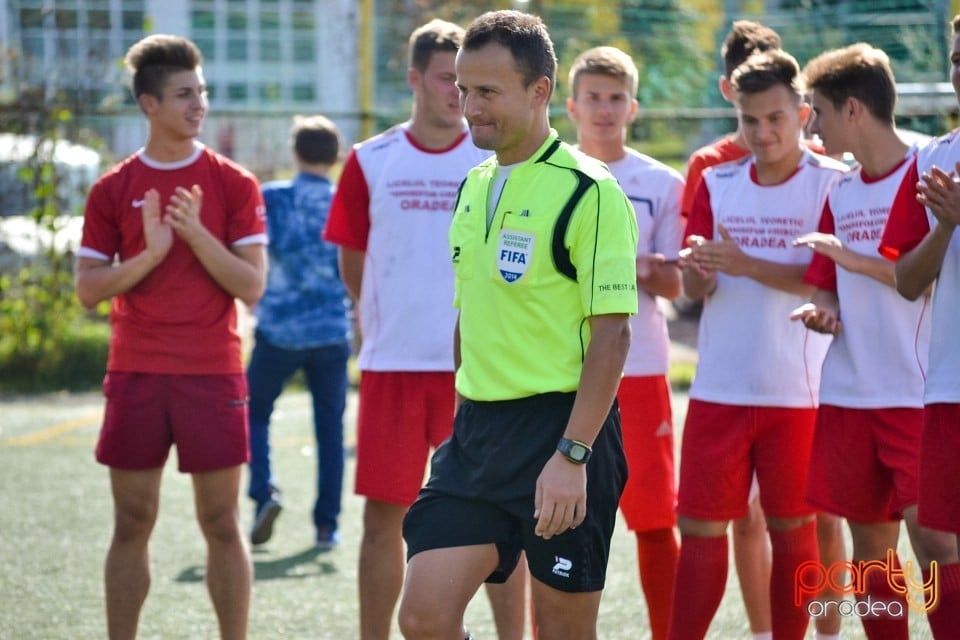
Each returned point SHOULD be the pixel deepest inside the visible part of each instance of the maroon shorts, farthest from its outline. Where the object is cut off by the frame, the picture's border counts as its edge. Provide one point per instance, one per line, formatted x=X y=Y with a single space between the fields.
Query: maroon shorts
x=401 y=416
x=939 y=507
x=649 y=500
x=205 y=416
x=865 y=462
x=722 y=447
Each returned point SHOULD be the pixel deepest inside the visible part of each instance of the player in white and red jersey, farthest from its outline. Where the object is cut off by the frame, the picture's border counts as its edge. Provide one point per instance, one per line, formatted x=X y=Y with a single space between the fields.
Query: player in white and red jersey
x=603 y=83
x=754 y=397
x=866 y=450
x=751 y=549
x=391 y=215
x=920 y=236
x=173 y=234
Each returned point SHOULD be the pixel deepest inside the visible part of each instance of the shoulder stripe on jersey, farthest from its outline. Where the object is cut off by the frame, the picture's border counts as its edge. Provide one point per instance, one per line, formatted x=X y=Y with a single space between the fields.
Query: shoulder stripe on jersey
x=561 y=257
x=549 y=151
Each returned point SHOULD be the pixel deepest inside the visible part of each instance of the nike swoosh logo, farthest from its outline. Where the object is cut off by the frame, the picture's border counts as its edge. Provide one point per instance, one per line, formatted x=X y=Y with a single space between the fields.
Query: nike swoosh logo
x=137 y=204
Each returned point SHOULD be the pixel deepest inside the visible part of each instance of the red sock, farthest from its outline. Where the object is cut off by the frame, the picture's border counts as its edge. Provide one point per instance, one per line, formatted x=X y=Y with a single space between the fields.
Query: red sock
x=944 y=618
x=884 y=627
x=701 y=579
x=657 y=553
x=789 y=549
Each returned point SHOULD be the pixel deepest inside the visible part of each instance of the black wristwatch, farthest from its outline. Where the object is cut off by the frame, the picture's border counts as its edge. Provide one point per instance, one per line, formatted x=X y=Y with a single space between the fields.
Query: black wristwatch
x=573 y=450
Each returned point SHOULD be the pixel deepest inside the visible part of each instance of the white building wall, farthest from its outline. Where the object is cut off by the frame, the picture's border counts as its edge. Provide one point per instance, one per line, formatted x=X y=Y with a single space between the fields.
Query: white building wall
x=254 y=131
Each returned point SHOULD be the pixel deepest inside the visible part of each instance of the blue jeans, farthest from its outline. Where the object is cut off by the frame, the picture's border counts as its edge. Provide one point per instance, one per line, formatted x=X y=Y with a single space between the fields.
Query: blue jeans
x=326 y=373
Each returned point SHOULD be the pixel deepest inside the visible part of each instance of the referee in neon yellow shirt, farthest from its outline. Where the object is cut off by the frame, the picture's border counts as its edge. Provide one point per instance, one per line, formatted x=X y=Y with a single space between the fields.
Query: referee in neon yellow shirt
x=543 y=243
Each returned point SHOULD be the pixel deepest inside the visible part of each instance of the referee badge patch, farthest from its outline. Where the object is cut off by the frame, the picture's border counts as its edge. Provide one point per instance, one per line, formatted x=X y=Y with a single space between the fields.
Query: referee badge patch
x=514 y=254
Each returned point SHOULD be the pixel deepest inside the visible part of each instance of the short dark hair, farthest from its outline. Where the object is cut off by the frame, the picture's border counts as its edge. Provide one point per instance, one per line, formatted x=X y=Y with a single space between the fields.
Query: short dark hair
x=154 y=58
x=745 y=38
x=764 y=70
x=857 y=71
x=436 y=35
x=524 y=35
x=316 y=139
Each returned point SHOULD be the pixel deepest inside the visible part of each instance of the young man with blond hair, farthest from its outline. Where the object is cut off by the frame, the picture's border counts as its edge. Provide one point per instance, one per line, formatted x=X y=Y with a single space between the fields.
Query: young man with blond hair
x=603 y=83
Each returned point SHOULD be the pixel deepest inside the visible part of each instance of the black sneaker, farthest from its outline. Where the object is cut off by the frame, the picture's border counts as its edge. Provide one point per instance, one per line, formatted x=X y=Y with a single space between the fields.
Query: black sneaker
x=264 y=518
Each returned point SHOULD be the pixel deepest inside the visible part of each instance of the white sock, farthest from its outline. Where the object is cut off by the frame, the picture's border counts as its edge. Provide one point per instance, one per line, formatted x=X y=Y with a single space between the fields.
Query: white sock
x=826 y=636
x=763 y=635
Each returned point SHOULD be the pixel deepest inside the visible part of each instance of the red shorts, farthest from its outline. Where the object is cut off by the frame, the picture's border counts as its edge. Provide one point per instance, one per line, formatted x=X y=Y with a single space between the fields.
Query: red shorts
x=205 y=416
x=722 y=447
x=939 y=507
x=649 y=500
x=865 y=462
x=401 y=415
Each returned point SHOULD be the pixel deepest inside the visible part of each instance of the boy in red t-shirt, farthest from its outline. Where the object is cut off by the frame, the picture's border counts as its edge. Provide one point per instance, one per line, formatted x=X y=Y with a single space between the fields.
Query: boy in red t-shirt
x=174 y=235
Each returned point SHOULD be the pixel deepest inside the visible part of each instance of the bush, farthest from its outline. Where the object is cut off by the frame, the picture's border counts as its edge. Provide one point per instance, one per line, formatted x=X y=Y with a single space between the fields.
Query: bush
x=76 y=363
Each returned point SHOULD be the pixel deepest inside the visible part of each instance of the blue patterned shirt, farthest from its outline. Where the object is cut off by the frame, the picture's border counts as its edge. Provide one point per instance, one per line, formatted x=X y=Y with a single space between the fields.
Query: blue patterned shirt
x=305 y=304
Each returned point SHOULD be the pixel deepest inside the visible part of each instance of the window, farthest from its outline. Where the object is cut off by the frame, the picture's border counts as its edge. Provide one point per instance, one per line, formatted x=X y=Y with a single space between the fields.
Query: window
x=132 y=20
x=237 y=48
x=236 y=21
x=236 y=92
x=207 y=45
x=269 y=48
x=303 y=20
x=98 y=19
x=304 y=50
x=270 y=92
x=304 y=93
x=269 y=21
x=202 y=20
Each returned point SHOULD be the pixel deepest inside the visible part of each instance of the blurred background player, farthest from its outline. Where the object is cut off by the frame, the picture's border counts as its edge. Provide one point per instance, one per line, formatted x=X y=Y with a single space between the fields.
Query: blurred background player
x=390 y=216
x=920 y=235
x=302 y=325
x=603 y=83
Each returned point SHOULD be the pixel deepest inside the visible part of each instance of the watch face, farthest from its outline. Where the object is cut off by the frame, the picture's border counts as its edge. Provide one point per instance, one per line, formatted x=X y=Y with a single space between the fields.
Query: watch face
x=578 y=451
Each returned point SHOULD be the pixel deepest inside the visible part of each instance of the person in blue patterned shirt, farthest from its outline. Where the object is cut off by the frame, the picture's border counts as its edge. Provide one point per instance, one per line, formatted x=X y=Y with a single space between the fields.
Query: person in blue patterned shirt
x=302 y=323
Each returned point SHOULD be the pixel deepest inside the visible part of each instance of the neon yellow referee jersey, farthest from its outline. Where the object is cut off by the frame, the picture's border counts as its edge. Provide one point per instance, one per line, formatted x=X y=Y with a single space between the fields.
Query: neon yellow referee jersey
x=561 y=247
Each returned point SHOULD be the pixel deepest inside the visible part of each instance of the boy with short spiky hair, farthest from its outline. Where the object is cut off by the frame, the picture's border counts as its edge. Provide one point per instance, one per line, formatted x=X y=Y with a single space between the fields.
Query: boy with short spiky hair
x=603 y=82
x=173 y=235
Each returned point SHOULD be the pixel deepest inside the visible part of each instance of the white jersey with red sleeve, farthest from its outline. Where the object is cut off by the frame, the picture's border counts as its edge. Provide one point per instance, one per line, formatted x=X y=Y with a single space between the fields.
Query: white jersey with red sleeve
x=908 y=224
x=178 y=319
x=655 y=191
x=750 y=352
x=879 y=358
x=394 y=201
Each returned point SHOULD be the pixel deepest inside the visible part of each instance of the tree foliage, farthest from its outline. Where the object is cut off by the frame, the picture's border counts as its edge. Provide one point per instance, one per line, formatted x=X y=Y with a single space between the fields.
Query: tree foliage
x=46 y=339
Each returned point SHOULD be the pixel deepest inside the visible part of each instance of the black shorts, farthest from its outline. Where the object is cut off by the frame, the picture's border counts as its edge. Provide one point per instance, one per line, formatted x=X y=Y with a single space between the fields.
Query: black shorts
x=482 y=484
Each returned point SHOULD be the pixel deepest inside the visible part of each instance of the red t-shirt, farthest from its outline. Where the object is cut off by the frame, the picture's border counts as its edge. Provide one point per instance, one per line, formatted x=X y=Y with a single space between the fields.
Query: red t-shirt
x=178 y=319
